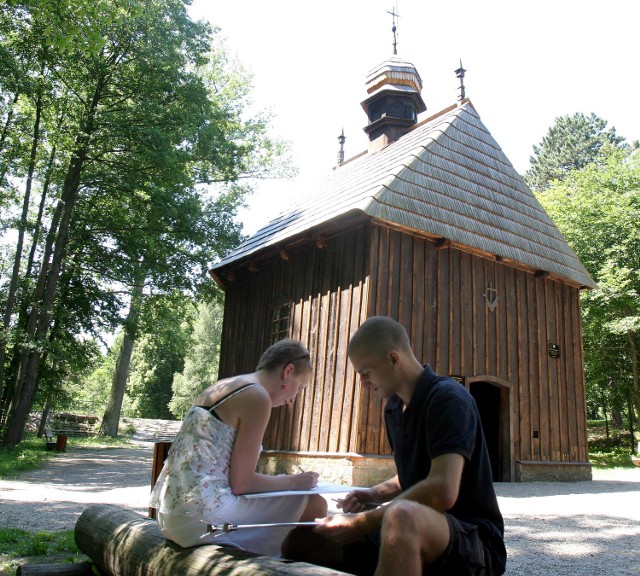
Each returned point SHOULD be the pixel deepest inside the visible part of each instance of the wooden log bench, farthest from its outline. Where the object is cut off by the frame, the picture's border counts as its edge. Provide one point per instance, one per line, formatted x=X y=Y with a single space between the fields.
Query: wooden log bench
x=68 y=424
x=122 y=543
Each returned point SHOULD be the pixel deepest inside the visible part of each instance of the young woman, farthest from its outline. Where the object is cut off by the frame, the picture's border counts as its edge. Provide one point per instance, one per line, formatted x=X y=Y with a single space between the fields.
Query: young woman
x=213 y=459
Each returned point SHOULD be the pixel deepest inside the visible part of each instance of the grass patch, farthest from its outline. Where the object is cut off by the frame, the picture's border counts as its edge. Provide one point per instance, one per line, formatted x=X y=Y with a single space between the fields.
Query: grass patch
x=612 y=452
x=19 y=546
x=30 y=454
x=98 y=442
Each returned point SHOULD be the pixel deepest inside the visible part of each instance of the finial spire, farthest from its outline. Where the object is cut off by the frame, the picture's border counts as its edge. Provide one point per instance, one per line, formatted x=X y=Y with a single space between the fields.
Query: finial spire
x=394 y=28
x=341 y=140
x=460 y=75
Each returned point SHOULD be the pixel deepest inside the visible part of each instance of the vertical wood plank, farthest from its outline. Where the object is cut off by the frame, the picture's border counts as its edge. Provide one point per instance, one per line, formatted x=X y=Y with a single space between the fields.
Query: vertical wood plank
x=572 y=345
x=454 y=337
x=521 y=364
x=578 y=387
x=492 y=336
x=419 y=304
x=556 y=390
x=443 y=333
x=468 y=329
x=540 y=375
x=533 y=370
x=501 y=316
x=432 y=289
x=406 y=310
x=327 y=329
x=478 y=335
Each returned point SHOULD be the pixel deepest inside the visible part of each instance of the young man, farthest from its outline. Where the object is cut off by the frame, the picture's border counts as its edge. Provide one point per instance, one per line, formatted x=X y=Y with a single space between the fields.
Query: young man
x=443 y=515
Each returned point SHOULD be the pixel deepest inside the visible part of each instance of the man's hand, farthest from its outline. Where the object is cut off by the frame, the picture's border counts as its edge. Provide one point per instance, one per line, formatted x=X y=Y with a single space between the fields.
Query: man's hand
x=359 y=501
x=342 y=528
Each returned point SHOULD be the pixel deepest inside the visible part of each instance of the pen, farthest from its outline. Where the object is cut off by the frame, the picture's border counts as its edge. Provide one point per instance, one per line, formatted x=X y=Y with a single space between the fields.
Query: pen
x=368 y=505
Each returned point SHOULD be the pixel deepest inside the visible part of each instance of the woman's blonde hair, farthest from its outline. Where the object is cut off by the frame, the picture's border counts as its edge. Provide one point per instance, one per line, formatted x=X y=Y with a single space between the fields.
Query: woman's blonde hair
x=283 y=352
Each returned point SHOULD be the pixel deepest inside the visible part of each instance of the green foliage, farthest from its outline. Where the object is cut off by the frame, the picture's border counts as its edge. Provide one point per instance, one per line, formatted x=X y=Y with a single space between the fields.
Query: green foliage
x=89 y=394
x=609 y=452
x=571 y=143
x=615 y=457
x=38 y=547
x=158 y=354
x=133 y=125
x=202 y=359
x=597 y=208
x=67 y=23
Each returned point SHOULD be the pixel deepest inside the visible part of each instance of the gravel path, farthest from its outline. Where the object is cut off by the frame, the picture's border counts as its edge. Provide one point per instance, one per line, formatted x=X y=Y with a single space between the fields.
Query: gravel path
x=556 y=529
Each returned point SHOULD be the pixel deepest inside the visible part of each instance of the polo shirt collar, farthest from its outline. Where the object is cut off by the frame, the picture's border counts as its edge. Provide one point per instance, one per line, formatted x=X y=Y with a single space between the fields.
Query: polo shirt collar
x=423 y=385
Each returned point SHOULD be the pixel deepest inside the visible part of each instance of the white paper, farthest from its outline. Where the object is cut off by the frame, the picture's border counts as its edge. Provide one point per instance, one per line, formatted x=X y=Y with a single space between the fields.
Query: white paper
x=321 y=488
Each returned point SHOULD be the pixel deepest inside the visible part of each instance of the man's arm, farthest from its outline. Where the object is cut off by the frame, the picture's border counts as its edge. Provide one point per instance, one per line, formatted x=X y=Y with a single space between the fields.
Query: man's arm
x=439 y=490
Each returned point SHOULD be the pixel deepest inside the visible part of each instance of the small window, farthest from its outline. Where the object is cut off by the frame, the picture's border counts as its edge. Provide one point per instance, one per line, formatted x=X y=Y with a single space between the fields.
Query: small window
x=280 y=320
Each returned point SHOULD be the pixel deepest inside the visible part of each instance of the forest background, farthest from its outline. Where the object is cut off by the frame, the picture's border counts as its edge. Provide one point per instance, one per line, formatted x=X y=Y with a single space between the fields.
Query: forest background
x=128 y=143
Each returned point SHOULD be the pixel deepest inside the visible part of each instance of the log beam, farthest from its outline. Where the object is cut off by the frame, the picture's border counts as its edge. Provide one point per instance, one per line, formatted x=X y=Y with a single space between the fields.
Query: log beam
x=78 y=569
x=121 y=542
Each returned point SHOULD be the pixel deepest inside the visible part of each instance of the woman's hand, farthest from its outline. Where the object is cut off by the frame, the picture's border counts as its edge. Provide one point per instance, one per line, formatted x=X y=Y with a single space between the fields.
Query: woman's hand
x=304 y=480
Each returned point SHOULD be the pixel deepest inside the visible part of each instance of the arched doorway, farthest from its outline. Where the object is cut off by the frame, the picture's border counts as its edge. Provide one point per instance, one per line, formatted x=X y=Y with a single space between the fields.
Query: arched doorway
x=493 y=398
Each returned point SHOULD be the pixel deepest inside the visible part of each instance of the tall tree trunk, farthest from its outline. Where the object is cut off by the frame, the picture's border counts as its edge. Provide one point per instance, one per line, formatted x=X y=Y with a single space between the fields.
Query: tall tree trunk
x=45 y=414
x=3 y=137
x=111 y=418
x=45 y=291
x=43 y=197
x=22 y=227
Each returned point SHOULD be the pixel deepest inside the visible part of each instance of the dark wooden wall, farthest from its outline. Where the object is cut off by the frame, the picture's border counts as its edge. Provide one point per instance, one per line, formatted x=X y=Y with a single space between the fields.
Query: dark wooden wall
x=438 y=295
x=328 y=289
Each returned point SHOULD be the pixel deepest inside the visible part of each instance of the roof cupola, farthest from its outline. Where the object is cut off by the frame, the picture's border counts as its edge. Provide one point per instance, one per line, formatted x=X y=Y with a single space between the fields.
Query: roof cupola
x=393 y=102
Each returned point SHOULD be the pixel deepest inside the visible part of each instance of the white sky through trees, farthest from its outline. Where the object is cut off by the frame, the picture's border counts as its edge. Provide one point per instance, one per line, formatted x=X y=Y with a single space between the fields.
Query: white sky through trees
x=527 y=63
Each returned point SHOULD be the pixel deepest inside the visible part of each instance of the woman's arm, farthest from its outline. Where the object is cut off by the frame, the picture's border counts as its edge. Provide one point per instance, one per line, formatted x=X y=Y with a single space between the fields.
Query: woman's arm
x=254 y=412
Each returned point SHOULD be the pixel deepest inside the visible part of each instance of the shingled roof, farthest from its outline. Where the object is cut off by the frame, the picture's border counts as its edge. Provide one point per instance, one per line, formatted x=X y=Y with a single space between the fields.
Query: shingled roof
x=447 y=178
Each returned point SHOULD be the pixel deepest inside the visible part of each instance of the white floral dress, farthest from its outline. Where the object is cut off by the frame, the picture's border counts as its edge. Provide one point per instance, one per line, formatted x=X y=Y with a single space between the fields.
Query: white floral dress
x=193 y=490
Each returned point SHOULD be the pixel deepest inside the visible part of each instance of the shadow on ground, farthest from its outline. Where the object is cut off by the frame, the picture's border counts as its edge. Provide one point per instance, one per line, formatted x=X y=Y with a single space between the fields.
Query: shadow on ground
x=580 y=545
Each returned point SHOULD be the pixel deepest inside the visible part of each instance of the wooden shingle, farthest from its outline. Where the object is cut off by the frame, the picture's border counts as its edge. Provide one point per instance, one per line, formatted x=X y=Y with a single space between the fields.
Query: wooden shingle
x=446 y=178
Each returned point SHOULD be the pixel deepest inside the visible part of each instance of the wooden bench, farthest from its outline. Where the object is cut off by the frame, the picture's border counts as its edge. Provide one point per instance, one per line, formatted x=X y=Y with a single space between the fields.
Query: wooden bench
x=69 y=424
x=123 y=543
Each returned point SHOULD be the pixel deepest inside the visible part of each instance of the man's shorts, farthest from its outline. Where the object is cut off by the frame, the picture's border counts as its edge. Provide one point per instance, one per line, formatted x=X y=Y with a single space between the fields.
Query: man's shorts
x=466 y=554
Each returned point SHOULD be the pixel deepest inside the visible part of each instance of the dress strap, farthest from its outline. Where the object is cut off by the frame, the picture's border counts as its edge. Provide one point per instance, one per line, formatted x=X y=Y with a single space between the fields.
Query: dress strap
x=232 y=394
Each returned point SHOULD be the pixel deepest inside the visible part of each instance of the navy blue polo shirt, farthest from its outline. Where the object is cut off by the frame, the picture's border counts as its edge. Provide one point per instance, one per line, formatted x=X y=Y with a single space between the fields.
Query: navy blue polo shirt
x=442 y=418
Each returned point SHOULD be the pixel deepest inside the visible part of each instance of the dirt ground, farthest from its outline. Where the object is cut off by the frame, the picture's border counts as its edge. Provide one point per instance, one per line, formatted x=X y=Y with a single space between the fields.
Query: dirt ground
x=559 y=529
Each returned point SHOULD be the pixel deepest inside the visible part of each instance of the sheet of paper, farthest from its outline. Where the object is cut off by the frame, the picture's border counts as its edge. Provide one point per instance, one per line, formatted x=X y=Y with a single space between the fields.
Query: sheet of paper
x=321 y=488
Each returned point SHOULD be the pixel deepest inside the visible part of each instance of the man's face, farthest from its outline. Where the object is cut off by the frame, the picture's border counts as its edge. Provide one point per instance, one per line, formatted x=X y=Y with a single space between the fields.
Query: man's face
x=377 y=372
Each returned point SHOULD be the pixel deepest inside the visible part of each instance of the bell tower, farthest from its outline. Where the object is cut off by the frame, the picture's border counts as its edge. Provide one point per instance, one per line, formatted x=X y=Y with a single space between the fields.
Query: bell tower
x=393 y=102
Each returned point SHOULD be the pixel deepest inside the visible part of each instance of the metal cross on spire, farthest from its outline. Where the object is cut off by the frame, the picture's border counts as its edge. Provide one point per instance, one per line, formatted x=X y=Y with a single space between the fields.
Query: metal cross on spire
x=460 y=75
x=394 y=28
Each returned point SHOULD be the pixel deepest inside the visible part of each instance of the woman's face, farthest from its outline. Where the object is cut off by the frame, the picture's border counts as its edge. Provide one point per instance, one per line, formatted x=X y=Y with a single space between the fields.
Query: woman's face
x=294 y=382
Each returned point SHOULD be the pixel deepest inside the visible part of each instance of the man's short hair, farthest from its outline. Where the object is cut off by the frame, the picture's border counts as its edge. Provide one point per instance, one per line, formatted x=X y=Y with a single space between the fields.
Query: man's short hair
x=378 y=335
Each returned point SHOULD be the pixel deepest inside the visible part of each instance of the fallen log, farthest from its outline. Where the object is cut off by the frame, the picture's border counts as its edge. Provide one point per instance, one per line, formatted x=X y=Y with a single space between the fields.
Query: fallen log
x=78 y=569
x=123 y=543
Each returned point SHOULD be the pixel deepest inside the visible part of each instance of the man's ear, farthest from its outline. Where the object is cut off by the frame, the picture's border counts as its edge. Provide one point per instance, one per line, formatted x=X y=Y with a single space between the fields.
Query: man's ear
x=394 y=357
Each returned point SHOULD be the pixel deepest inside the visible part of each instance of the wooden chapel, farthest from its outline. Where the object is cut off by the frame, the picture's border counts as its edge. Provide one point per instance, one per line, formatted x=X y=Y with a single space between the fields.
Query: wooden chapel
x=433 y=226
